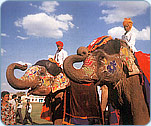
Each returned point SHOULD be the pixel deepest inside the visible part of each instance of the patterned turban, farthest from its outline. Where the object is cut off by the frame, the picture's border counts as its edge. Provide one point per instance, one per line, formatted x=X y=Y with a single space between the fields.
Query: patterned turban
x=128 y=21
x=59 y=43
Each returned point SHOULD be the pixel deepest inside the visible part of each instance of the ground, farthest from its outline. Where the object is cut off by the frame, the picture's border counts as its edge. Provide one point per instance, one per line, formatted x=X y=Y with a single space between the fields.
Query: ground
x=35 y=115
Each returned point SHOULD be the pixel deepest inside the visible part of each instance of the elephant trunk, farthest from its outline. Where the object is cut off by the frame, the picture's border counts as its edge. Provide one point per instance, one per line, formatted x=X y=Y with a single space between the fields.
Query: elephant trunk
x=15 y=82
x=77 y=75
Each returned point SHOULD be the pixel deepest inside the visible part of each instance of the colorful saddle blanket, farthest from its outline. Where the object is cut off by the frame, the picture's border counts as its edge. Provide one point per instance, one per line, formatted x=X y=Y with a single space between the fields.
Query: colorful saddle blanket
x=144 y=63
x=98 y=42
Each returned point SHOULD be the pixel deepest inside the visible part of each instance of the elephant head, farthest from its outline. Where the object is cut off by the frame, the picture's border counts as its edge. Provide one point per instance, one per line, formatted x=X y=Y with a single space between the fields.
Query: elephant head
x=42 y=79
x=98 y=66
x=38 y=78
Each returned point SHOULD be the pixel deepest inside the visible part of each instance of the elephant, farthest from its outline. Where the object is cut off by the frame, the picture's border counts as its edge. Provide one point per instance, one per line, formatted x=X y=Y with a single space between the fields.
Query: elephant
x=38 y=79
x=107 y=66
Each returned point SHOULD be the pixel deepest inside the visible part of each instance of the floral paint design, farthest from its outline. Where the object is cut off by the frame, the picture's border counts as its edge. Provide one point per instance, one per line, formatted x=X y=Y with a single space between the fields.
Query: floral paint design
x=89 y=61
x=34 y=71
x=60 y=82
x=56 y=83
x=47 y=80
x=88 y=71
x=111 y=67
x=124 y=52
x=127 y=56
x=89 y=66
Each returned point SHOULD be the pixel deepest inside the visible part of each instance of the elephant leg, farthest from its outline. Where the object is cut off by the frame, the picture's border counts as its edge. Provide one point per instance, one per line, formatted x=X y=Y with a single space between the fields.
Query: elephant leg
x=139 y=108
x=58 y=113
x=104 y=100
x=104 y=97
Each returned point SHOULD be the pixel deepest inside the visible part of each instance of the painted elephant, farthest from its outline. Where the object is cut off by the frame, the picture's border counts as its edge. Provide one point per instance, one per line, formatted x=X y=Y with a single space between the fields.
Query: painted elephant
x=106 y=65
x=39 y=79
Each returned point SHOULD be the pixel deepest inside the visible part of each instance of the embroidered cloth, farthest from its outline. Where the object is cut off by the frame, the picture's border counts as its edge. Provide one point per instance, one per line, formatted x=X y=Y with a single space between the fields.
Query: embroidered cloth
x=98 y=42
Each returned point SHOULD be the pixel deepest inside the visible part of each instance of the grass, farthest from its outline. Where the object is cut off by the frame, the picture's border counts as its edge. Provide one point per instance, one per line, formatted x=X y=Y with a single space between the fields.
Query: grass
x=35 y=114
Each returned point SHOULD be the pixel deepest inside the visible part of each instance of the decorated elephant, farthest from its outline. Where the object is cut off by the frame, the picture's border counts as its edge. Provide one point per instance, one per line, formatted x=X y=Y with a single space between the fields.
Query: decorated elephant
x=39 y=79
x=107 y=64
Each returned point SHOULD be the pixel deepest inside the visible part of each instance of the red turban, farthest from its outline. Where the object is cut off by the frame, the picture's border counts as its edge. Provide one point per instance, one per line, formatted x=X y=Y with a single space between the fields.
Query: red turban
x=59 y=43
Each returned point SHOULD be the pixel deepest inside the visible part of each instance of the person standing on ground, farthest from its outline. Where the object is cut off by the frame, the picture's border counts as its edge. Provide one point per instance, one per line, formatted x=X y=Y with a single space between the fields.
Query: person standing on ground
x=28 y=112
x=60 y=54
x=19 y=107
x=7 y=110
x=13 y=101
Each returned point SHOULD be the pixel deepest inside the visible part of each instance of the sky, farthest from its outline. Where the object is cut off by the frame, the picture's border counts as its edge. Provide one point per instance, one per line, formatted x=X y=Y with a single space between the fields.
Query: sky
x=30 y=29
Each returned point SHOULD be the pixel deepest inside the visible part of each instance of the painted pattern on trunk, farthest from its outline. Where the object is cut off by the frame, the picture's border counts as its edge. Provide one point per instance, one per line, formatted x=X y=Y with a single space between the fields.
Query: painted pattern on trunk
x=35 y=71
x=89 y=67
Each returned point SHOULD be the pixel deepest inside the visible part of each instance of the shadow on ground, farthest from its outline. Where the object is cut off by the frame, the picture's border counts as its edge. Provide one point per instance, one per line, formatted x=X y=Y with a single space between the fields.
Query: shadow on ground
x=34 y=123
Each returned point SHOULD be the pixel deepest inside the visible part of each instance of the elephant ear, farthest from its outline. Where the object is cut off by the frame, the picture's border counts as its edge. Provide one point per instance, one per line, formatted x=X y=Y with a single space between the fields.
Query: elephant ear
x=128 y=59
x=60 y=82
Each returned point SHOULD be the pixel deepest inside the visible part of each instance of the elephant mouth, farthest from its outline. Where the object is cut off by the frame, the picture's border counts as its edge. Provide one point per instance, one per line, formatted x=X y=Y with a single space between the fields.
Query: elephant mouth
x=33 y=89
x=44 y=85
x=39 y=89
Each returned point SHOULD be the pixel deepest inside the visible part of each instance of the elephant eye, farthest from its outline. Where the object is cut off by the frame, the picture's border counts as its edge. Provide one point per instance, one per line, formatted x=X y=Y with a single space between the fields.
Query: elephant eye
x=84 y=52
x=101 y=58
x=42 y=74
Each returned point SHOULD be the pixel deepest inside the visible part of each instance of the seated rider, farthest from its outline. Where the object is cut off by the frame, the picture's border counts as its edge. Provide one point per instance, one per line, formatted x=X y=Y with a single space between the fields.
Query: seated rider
x=60 y=54
x=129 y=37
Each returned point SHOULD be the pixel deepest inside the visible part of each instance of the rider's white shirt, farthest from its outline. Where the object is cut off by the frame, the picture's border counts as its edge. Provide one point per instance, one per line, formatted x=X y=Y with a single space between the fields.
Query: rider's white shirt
x=130 y=39
x=60 y=57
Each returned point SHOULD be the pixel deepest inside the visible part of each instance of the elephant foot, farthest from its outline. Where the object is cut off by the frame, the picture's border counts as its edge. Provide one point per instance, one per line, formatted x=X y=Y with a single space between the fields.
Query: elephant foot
x=58 y=122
